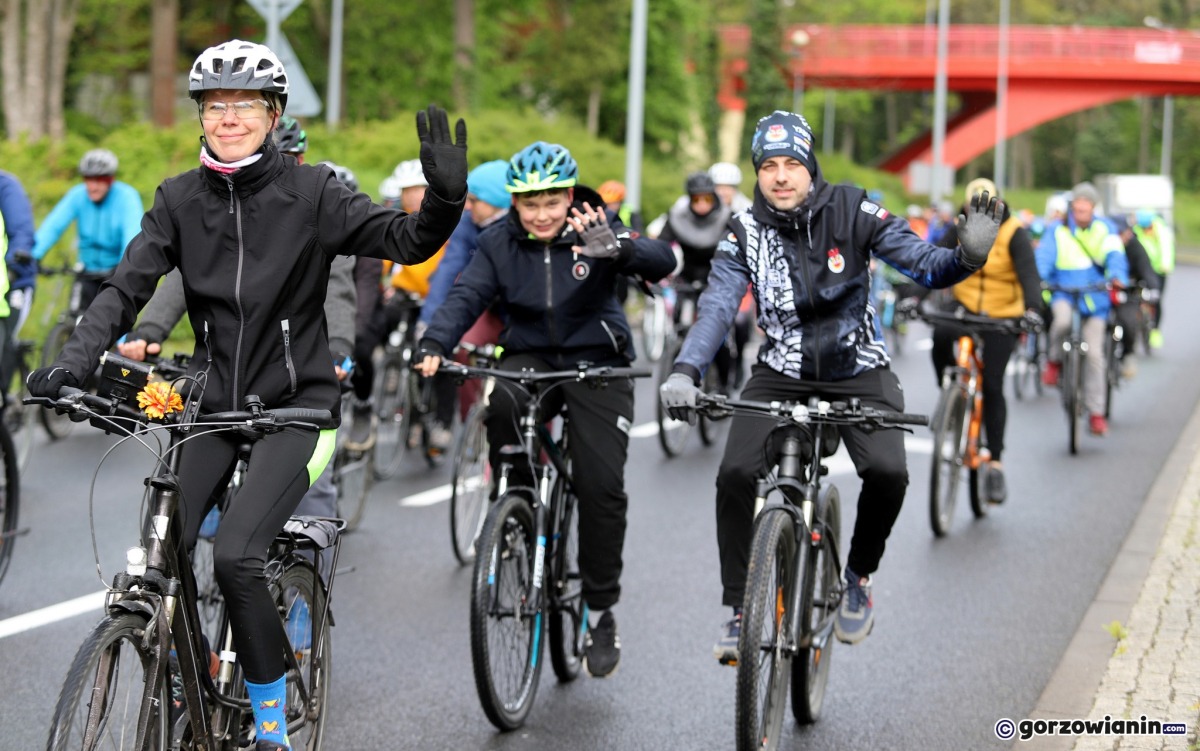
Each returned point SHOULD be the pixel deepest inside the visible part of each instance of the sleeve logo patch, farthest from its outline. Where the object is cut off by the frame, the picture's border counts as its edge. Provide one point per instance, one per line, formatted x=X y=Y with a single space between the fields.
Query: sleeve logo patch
x=871 y=208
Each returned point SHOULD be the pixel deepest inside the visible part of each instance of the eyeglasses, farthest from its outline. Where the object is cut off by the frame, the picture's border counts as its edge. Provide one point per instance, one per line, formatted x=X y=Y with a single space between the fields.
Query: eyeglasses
x=247 y=109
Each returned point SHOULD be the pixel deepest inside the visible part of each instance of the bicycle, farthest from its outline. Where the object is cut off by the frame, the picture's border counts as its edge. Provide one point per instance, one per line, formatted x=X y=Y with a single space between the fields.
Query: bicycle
x=471 y=479
x=657 y=314
x=793 y=583
x=10 y=494
x=1027 y=364
x=353 y=474
x=403 y=397
x=1074 y=352
x=18 y=417
x=958 y=426
x=527 y=563
x=58 y=426
x=673 y=434
x=124 y=679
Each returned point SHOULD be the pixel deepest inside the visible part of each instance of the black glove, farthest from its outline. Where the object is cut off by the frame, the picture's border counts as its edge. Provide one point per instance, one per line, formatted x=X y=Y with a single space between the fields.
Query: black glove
x=678 y=396
x=444 y=163
x=977 y=230
x=1034 y=320
x=22 y=256
x=47 y=382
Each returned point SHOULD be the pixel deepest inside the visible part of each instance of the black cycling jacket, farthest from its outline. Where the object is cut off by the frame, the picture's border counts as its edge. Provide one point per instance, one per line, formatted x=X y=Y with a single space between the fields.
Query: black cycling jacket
x=560 y=306
x=254 y=249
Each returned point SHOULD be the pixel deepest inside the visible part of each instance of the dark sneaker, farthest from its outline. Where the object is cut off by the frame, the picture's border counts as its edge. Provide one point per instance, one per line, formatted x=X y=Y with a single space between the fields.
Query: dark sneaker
x=997 y=490
x=271 y=746
x=602 y=647
x=362 y=427
x=856 y=616
x=726 y=648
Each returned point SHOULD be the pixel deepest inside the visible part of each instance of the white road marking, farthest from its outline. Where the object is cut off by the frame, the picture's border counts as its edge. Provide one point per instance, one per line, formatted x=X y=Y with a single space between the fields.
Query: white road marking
x=92 y=603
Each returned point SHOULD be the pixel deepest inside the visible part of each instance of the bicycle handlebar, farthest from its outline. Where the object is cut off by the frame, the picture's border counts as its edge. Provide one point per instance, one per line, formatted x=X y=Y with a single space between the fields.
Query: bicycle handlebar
x=974 y=321
x=852 y=412
x=532 y=377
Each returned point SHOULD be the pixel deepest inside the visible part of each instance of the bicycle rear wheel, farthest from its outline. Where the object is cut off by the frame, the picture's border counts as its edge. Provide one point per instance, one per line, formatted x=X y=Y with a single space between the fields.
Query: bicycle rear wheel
x=654 y=327
x=470 y=485
x=395 y=416
x=506 y=628
x=19 y=417
x=353 y=476
x=109 y=676
x=672 y=433
x=711 y=430
x=766 y=645
x=567 y=612
x=980 y=505
x=949 y=447
x=819 y=600
x=10 y=499
x=300 y=601
x=1072 y=383
x=56 y=425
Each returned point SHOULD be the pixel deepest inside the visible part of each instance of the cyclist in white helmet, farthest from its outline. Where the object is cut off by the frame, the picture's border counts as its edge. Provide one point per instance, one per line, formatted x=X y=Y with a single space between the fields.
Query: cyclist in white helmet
x=254 y=234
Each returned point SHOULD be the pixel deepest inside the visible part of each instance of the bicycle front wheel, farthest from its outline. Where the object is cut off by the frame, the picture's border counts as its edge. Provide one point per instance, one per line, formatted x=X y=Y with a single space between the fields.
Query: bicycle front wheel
x=654 y=328
x=949 y=447
x=506 y=627
x=395 y=416
x=56 y=425
x=19 y=417
x=567 y=611
x=10 y=499
x=1072 y=394
x=105 y=688
x=672 y=433
x=766 y=645
x=819 y=602
x=300 y=602
x=353 y=476
x=470 y=485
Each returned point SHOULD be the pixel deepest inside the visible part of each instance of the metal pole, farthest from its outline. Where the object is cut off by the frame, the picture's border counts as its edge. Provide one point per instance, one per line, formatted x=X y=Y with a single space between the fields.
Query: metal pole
x=827 y=136
x=273 y=24
x=1167 y=134
x=633 y=124
x=798 y=92
x=939 y=103
x=333 y=91
x=1001 y=153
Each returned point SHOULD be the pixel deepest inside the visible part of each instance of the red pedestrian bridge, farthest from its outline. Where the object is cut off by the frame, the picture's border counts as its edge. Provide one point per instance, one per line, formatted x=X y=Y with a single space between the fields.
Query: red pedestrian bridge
x=1052 y=71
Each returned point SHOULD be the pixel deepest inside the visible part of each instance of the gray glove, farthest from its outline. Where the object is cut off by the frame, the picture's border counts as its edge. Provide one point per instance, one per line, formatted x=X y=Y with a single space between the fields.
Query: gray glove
x=1034 y=320
x=977 y=230
x=678 y=396
x=599 y=241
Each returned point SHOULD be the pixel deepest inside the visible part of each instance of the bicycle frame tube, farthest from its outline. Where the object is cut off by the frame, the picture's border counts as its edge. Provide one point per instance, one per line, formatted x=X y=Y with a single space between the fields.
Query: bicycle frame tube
x=970 y=369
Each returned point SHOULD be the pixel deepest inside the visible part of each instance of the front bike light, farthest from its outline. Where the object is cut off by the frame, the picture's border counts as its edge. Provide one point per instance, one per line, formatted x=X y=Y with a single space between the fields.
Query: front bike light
x=800 y=413
x=135 y=561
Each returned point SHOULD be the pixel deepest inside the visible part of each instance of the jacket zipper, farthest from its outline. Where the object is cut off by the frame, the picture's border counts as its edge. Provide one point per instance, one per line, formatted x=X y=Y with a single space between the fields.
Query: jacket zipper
x=287 y=352
x=550 y=298
x=237 y=297
x=803 y=259
x=231 y=199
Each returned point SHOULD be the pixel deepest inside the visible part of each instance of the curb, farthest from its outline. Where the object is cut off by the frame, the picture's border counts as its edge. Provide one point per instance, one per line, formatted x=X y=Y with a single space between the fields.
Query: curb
x=1071 y=691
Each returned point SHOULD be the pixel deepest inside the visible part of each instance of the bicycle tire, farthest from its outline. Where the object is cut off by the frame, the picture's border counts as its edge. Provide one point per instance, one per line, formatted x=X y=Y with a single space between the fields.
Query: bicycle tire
x=672 y=434
x=1112 y=370
x=949 y=447
x=305 y=719
x=19 y=417
x=654 y=328
x=980 y=505
x=819 y=601
x=567 y=612
x=711 y=430
x=118 y=640
x=57 y=426
x=503 y=637
x=1071 y=380
x=767 y=637
x=353 y=476
x=10 y=500
x=1020 y=368
x=395 y=417
x=470 y=484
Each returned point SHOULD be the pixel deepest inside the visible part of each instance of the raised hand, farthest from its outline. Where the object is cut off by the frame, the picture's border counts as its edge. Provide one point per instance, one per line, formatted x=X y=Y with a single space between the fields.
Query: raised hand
x=444 y=162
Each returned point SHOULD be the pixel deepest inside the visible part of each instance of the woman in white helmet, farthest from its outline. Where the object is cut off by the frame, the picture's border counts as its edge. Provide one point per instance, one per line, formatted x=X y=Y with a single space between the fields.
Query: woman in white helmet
x=253 y=235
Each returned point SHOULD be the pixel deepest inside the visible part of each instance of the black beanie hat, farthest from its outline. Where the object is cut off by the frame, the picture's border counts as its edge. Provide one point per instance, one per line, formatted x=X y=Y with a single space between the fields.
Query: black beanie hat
x=783 y=134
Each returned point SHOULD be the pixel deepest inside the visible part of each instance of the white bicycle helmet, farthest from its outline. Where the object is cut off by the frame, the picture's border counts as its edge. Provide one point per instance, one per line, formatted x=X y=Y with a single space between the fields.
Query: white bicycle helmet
x=389 y=189
x=725 y=173
x=241 y=66
x=343 y=174
x=408 y=174
x=98 y=163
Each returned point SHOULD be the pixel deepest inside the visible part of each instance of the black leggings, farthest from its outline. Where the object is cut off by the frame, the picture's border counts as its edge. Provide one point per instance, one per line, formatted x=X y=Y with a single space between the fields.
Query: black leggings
x=276 y=479
x=878 y=457
x=997 y=349
x=599 y=438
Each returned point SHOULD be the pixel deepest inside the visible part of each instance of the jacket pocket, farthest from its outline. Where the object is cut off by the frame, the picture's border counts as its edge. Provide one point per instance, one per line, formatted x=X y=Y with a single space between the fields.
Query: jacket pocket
x=285 y=325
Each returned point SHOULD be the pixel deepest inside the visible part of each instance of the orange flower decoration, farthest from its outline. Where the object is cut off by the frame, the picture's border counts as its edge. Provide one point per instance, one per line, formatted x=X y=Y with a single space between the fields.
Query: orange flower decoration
x=158 y=400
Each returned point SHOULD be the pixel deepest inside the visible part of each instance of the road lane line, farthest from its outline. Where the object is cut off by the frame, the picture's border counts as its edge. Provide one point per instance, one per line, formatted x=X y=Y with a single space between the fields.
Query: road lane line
x=93 y=603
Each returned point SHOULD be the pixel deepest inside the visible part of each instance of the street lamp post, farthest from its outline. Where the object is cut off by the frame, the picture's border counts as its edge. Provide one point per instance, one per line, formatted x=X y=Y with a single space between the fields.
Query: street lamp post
x=799 y=41
x=1168 y=127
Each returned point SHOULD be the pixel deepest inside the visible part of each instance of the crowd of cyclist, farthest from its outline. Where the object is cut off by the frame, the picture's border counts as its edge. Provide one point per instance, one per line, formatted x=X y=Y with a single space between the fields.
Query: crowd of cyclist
x=539 y=263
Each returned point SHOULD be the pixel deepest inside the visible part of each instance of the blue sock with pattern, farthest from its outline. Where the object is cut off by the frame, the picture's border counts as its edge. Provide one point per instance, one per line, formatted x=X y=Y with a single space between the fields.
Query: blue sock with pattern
x=270 y=719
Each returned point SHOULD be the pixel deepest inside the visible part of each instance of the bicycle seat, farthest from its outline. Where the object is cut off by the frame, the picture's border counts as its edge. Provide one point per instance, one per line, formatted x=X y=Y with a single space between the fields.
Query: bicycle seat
x=310 y=532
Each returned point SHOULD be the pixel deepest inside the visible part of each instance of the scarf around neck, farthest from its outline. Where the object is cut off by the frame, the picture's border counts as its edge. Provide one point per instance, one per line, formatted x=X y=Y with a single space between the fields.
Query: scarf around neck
x=226 y=168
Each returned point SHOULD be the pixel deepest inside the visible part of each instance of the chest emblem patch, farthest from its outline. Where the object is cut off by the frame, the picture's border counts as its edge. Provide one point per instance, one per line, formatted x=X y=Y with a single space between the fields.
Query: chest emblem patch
x=836 y=262
x=580 y=270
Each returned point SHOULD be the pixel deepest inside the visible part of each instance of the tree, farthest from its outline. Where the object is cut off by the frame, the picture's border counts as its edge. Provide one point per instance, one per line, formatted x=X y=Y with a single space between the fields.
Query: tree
x=36 y=40
x=163 y=54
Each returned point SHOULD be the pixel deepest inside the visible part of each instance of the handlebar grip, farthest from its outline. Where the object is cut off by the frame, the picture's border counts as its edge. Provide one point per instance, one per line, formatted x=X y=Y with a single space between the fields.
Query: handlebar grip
x=322 y=418
x=904 y=418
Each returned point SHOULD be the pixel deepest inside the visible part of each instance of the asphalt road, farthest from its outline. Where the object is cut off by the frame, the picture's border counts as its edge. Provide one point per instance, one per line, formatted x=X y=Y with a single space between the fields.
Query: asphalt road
x=969 y=628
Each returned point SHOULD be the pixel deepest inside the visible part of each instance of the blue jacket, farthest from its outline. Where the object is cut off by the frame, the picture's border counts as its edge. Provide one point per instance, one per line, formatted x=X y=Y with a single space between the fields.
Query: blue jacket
x=458 y=253
x=560 y=306
x=1069 y=256
x=104 y=228
x=18 y=225
x=809 y=272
